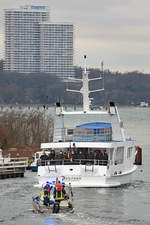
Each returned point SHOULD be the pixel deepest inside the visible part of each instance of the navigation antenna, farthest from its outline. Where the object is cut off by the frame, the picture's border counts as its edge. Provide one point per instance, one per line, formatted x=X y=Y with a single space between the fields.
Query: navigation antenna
x=85 y=87
x=102 y=72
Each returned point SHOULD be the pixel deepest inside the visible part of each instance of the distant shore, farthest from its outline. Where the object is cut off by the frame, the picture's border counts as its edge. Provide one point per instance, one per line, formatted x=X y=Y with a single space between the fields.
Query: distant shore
x=46 y=106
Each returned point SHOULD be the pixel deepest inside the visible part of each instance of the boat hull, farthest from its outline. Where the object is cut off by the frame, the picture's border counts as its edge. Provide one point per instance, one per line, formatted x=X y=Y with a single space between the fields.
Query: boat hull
x=64 y=207
x=89 y=179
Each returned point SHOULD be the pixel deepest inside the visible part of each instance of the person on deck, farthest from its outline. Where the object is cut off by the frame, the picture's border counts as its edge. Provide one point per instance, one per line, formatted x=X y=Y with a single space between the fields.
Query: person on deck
x=44 y=158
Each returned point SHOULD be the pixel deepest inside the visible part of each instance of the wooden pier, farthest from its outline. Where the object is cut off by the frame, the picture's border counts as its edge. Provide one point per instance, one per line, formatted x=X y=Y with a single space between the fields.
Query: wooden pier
x=13 y=168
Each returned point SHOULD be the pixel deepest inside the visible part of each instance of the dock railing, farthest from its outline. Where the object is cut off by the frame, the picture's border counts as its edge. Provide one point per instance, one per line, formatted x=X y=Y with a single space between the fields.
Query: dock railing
x=15 y=167
x=14 y=162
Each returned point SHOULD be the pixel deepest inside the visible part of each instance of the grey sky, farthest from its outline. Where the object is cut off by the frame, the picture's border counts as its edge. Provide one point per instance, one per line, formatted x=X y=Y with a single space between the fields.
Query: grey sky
x=115 y=31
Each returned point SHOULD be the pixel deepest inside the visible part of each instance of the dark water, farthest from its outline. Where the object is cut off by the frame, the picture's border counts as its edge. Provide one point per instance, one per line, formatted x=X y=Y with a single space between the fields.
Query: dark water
x=104 y=206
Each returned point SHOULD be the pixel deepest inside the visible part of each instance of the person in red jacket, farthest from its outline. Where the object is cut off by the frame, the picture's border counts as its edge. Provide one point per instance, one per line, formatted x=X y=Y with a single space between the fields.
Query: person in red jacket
x=58 y=191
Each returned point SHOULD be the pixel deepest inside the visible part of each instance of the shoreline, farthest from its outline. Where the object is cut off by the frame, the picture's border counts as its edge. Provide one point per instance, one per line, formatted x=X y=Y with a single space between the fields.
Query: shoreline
x=64 y=105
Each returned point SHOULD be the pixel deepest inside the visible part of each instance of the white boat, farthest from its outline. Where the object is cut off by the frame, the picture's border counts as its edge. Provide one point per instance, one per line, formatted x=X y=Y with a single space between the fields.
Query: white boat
x=144 y=104
x=99 y=153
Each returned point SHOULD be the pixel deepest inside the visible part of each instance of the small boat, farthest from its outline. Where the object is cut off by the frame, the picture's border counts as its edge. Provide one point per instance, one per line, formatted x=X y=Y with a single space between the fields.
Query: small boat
x=143 y=104
x=55 y=206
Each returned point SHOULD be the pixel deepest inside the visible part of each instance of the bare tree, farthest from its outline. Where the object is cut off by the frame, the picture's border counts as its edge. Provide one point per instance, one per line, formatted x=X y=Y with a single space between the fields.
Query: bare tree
x=26 y=128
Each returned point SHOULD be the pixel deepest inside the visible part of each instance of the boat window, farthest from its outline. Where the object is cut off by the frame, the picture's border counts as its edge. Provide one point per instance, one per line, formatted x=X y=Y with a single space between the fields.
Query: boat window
x=102 y=130
x=70 y=131
x=37 y=155
x=119 y=155
x=111 y=153
x=129 y=152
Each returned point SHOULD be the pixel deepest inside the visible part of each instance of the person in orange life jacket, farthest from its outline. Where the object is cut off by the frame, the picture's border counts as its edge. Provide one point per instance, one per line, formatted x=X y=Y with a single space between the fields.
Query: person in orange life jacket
x=58 y=192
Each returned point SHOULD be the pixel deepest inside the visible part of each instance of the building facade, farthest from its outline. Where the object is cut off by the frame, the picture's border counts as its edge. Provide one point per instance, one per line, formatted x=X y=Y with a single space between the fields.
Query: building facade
x=32 y=44
x=57 y=49
x=22 y=38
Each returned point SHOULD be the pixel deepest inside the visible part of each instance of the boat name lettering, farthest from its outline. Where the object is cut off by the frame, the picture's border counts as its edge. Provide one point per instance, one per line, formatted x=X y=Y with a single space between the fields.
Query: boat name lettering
x=72 y=178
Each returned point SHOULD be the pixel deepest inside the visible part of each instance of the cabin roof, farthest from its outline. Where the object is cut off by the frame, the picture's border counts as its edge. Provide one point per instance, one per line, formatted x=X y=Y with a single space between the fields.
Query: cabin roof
x=95 y=125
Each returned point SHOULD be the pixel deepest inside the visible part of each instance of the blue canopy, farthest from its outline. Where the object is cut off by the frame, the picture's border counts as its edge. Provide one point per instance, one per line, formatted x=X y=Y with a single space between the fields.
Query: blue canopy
x=95 y=125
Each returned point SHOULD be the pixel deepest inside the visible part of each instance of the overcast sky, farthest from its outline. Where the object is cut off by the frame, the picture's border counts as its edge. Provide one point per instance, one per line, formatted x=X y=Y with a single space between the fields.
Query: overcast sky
x=114 y=31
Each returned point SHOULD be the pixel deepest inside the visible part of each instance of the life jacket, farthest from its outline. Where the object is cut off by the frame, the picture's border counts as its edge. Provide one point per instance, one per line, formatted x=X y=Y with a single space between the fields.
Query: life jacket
x=46 y=196
x=46 y=191
x=58 y=187
x=58 y=192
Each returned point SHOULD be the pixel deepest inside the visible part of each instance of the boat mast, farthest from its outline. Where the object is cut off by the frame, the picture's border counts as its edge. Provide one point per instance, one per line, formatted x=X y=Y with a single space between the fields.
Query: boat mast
x=85 y=87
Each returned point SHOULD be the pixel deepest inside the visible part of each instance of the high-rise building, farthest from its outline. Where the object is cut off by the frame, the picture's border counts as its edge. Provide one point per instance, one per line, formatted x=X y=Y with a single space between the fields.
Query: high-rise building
x=22 y=38
x=57 y=49
x=33 y=44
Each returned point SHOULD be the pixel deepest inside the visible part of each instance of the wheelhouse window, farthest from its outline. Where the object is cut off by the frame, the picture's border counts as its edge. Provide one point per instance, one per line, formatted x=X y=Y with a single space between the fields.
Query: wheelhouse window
x=119 y=155
x=37 y=155
x=70 y=131
x=111 y=155
x=129 y=152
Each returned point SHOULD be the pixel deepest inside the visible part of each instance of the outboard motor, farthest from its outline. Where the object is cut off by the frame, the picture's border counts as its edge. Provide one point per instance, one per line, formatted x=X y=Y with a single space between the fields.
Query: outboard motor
x=56 y=207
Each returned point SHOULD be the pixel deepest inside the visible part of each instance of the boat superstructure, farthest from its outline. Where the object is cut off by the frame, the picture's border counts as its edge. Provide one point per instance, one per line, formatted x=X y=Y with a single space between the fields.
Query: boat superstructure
x=91 y=154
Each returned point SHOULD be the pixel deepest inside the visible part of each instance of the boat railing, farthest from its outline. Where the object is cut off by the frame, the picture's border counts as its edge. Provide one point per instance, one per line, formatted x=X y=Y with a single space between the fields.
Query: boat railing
x=87 y=162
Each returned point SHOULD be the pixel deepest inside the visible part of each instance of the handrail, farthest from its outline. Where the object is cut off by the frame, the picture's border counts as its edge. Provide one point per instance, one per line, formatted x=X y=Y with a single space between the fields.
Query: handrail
x=72 y=162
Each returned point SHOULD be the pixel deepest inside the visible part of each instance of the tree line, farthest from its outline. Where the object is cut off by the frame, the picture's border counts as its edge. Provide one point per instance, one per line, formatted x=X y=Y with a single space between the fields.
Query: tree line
x=25 y=129
x=42 y=88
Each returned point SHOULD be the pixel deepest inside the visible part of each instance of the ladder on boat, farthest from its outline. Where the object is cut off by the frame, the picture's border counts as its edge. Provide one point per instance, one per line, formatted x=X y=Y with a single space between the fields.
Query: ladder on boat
x=89 y=168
